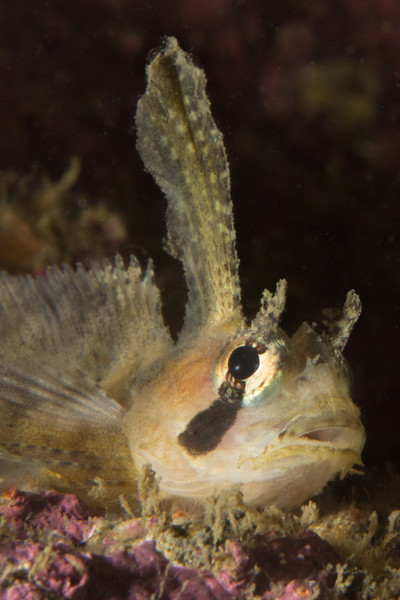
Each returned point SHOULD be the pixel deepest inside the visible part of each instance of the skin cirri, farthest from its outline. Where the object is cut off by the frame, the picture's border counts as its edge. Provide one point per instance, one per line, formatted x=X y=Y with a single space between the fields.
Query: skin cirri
x=92 y=388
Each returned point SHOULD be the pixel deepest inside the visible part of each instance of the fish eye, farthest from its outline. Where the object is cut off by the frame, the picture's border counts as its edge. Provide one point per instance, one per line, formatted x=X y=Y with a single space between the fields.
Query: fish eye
x=243 y=362
x=252 y=367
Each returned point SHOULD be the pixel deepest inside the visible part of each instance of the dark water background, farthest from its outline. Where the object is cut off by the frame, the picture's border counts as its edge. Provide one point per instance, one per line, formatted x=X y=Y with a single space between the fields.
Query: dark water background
x=307 y=96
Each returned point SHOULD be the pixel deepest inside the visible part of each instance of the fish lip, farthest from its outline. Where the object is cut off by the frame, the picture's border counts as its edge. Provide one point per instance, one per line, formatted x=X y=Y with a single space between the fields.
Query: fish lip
x=349 y=434
x=324 y=434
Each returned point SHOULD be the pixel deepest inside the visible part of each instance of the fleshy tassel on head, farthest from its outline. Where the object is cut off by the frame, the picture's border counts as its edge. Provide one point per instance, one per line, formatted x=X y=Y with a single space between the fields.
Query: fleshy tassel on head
x=339 y=323
x=267 y=319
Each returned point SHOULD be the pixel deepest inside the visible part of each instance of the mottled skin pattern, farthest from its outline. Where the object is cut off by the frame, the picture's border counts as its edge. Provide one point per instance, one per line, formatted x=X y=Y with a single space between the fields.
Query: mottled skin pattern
x=92 y=388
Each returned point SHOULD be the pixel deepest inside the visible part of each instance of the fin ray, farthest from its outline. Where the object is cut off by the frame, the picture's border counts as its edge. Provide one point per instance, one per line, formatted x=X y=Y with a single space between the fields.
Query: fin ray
x=182 y=148
x=66 y=433
x=105 y=322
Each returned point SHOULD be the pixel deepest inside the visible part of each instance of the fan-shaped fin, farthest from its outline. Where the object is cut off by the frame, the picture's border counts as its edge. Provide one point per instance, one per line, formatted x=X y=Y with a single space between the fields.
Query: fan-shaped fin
x=66 y=433
x=72 y=345
x=183 y=149
x=105 y=322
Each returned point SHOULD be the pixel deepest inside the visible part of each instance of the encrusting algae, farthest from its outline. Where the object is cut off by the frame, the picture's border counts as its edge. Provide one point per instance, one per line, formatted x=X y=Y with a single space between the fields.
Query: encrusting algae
x=93 y=389
x=50 y=543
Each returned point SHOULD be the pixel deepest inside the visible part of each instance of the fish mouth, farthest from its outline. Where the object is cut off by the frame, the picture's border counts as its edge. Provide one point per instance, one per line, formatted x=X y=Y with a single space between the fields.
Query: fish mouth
x=332 y=435
x=347 y=434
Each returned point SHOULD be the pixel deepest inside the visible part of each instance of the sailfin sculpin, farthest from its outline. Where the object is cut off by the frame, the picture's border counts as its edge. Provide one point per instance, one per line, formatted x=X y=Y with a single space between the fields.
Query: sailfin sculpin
x=92 y=387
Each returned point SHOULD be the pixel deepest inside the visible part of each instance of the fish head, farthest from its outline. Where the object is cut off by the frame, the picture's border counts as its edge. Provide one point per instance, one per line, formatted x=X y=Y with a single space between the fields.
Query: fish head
x=233 y=403
x=268 y=412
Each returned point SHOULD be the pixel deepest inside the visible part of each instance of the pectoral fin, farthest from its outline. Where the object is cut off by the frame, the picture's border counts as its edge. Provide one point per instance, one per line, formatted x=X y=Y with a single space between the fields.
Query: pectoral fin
x=66 y=432
x=72 y=344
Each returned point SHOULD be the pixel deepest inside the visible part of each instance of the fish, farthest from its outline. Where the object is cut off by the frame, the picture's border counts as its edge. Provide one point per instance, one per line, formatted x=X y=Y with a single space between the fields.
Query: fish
x=93 y=389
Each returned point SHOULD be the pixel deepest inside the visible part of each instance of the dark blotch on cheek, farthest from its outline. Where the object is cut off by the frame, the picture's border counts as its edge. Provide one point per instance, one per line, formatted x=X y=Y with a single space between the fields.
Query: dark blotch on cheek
x=205 y=430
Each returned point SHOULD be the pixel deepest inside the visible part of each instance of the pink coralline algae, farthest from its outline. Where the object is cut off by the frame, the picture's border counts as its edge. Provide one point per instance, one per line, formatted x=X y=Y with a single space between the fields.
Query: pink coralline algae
x=45 y=552
x=54 y=569
x=277 y=558
x=62 y=513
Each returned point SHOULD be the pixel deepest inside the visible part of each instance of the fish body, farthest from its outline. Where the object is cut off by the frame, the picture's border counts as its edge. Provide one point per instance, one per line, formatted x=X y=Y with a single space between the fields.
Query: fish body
x=92 y=387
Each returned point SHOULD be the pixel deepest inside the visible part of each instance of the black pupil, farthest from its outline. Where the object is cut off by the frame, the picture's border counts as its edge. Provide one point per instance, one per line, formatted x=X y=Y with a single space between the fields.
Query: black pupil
x=243 y=362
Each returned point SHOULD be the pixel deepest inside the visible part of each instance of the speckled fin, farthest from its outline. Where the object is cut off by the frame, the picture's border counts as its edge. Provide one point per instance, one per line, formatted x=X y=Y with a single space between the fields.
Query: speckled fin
x=184 y=151
x=63 y=337
x=105 y=322
x=61 y=432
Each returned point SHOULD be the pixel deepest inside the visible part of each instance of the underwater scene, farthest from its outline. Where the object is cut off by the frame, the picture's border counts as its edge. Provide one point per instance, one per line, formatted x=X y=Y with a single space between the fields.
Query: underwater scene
x=199 y=295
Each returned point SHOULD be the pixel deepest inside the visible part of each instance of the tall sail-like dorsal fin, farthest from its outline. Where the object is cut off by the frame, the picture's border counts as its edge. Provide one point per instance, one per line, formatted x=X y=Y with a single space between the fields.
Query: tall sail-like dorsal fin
x=182 y=148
